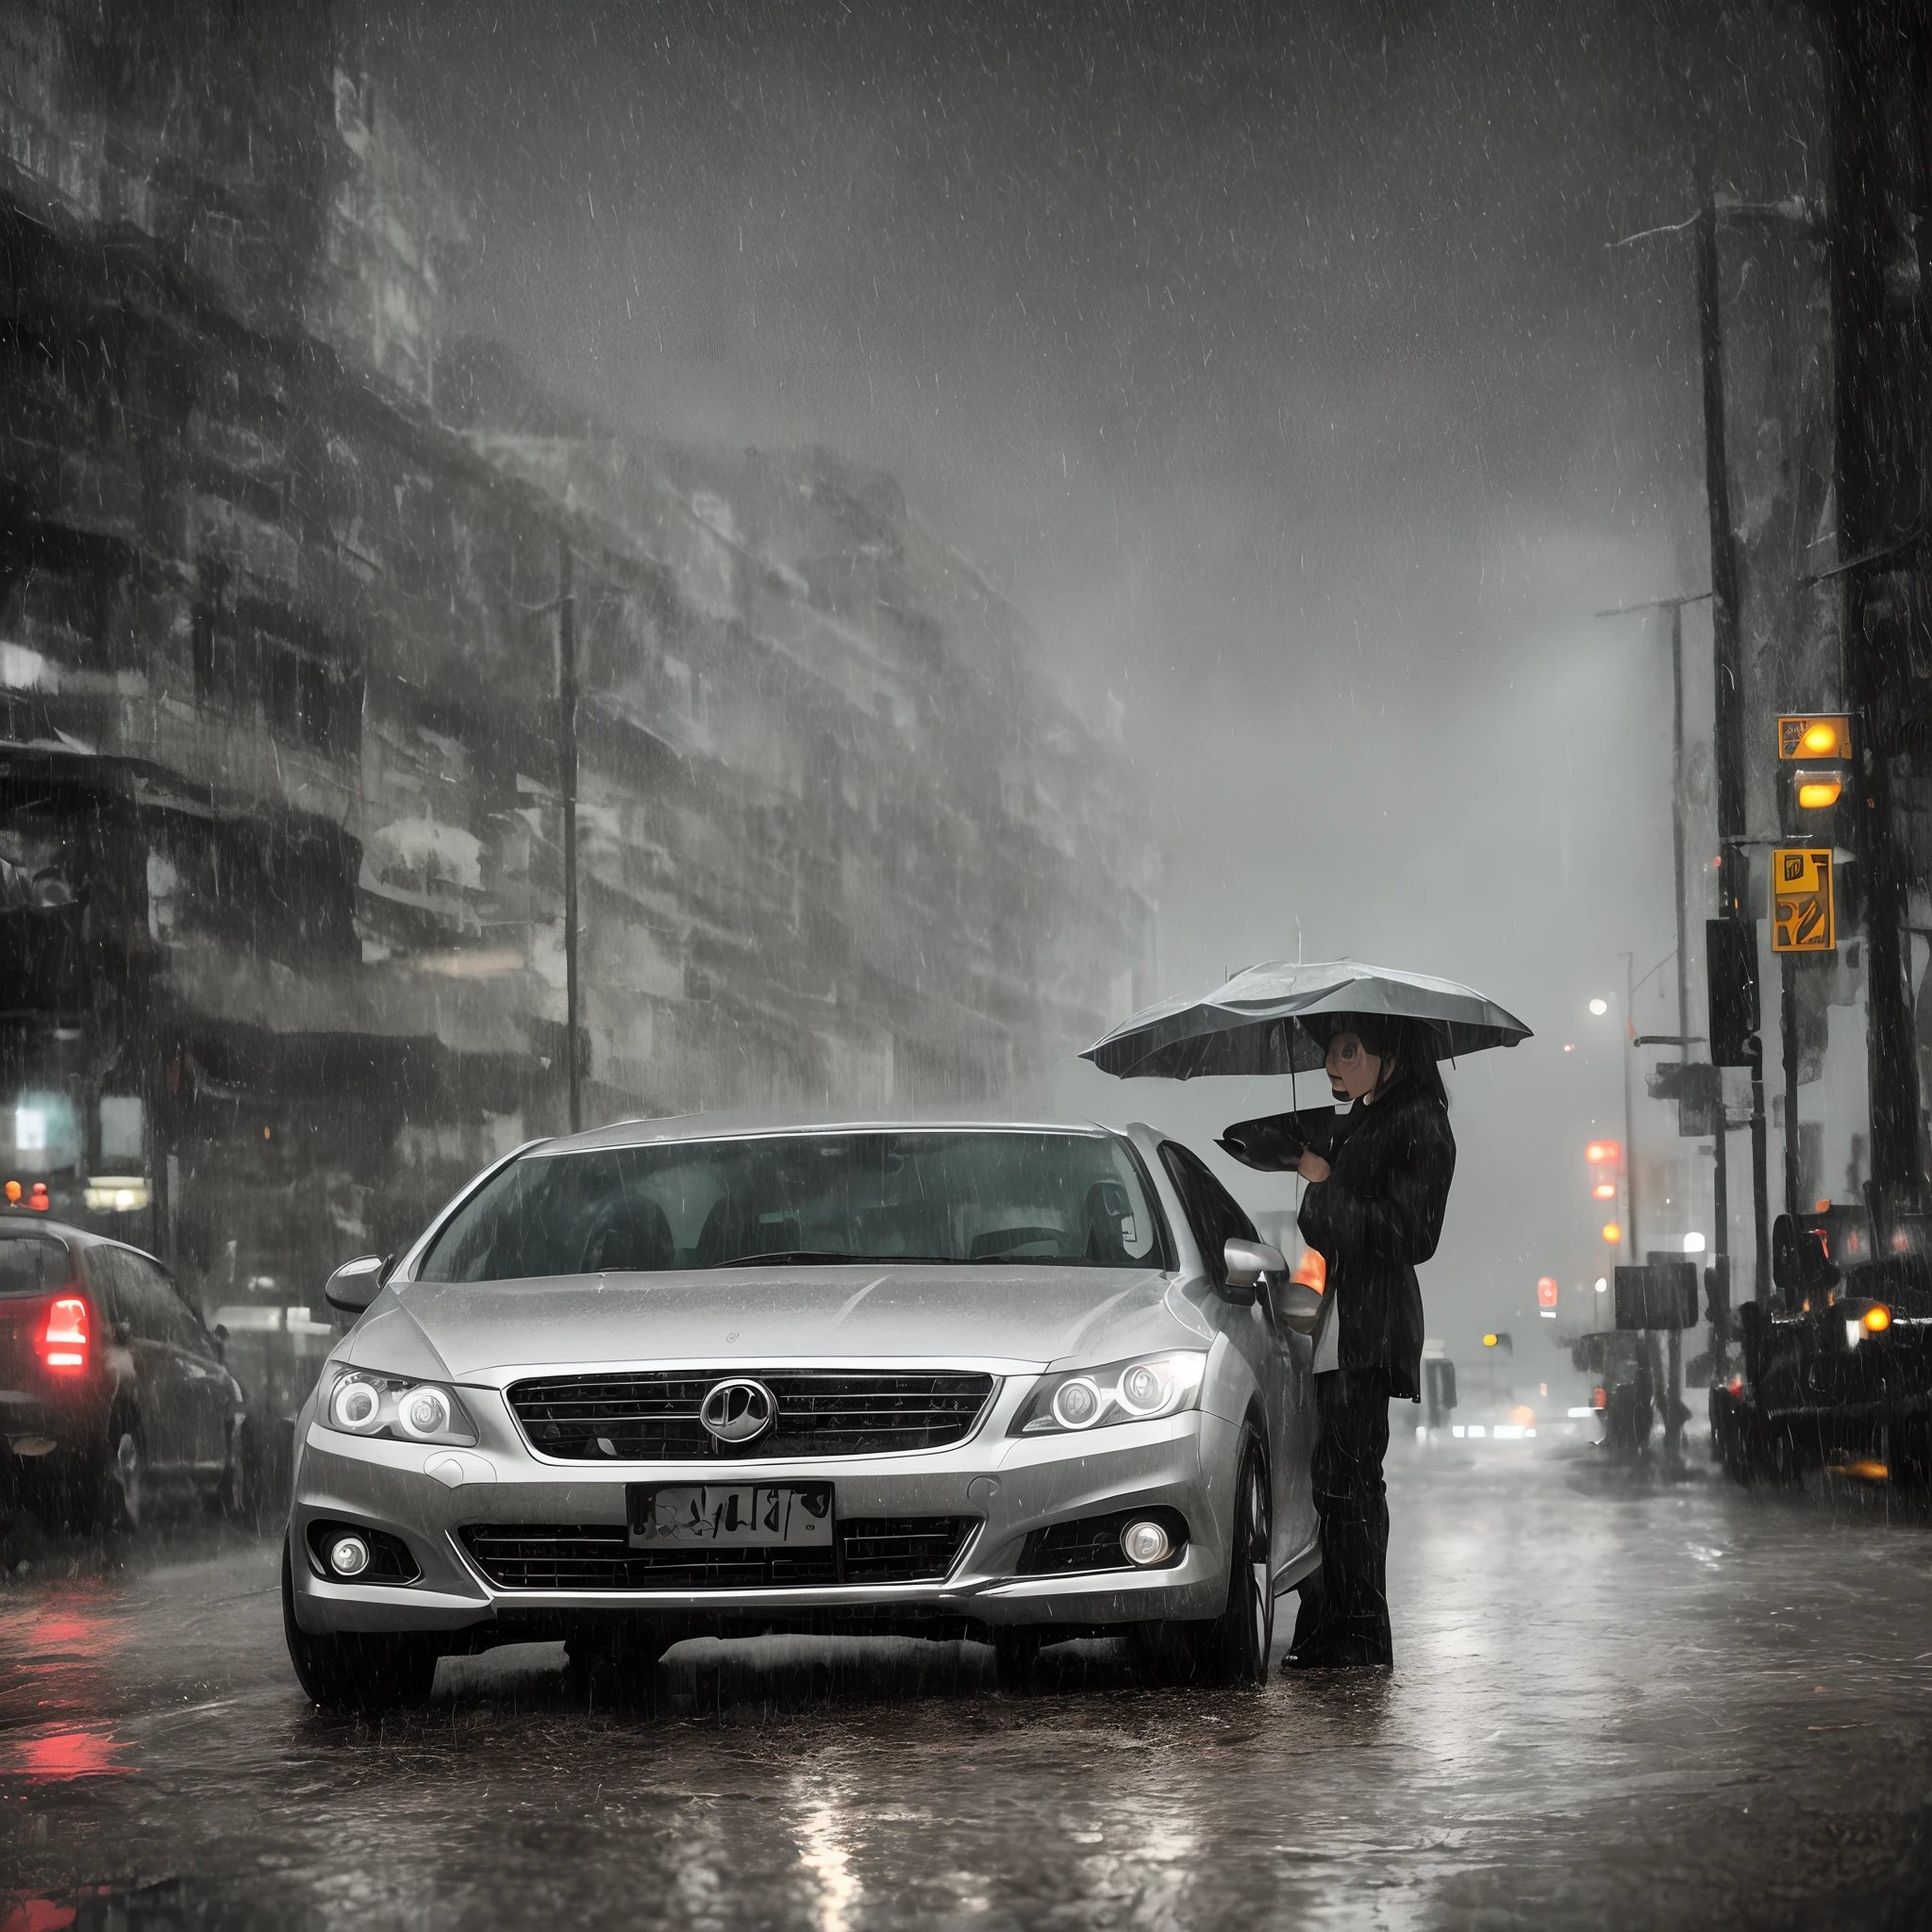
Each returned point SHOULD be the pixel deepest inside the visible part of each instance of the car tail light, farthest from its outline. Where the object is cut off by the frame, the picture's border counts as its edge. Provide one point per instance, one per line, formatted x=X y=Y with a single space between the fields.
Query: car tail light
x=65 y=1340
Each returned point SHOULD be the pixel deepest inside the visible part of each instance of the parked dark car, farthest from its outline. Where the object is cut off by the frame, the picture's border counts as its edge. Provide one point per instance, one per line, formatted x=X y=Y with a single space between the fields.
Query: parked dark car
x=111 y=1387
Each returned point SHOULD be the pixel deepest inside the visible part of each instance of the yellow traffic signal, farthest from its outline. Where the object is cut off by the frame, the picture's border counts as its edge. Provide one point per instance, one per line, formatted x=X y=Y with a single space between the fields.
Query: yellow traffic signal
x=1489 y=1342
x=1810 y=737
x=1612 y=1232
x=1803 y=919
x=1817 y=789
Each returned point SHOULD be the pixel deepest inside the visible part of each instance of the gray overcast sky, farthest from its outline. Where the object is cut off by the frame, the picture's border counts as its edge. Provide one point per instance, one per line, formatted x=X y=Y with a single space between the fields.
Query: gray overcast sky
x=1273 y=360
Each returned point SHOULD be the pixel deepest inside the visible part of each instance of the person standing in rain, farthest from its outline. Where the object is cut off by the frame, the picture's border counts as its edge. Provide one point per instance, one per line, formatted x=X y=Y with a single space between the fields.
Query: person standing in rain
x=1374 y=1210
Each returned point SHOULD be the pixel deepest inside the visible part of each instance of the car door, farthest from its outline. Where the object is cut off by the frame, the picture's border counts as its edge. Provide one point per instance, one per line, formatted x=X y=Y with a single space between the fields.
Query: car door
x=1281 y=1359
x=204 y=1383
x=144 y=1323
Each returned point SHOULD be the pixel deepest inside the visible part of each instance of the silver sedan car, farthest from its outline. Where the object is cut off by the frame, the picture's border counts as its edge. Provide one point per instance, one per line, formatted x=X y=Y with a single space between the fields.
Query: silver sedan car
x=1015 y=1382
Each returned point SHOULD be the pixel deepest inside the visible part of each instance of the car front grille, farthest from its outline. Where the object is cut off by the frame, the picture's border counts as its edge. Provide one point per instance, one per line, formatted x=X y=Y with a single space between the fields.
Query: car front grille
x=597 y=1555
x=652 y=1415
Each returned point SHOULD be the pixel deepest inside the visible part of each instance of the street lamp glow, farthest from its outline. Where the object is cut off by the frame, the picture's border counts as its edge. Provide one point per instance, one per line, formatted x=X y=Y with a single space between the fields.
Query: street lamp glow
x=1599 y=1008
x=1603 y=1284
x=1612 y=1233
x=1694 y=1244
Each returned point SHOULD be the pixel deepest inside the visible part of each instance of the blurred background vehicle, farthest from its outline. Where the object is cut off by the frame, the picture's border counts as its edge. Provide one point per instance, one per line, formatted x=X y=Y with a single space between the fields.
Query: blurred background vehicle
x=113 y=1392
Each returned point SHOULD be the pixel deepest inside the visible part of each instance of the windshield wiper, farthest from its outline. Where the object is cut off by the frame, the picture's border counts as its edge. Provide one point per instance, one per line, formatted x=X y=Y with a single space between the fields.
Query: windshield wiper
x=779 y=1256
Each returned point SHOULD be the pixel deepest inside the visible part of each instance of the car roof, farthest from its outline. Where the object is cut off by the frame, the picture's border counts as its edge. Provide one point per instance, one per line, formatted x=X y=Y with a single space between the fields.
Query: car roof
x=701 y=1127
x=15 y=1223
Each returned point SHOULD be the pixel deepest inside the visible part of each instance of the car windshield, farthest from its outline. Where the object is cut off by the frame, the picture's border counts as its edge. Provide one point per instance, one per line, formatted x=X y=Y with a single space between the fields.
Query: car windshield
x=971 y=1198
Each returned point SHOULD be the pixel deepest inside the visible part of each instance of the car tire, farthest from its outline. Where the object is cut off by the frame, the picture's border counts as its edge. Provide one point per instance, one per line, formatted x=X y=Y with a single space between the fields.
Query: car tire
x=1232 y=1648
x=110 y=1491
x=352 y=1671
x=1016 y=1649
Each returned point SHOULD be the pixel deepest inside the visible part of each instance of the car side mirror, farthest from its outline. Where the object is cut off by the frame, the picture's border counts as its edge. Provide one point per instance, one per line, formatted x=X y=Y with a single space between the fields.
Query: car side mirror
x=357 y=1283
x=219 y=1336
x=1247 y=1264
x=1297 y=1306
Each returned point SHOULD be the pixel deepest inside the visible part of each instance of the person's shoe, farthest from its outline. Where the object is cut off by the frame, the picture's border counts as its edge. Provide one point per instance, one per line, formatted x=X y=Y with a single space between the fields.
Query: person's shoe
x=1341 y=1655
x=1310 y=1657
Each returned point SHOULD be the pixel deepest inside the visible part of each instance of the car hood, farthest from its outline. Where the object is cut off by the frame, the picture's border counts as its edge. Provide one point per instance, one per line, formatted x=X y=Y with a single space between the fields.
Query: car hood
x=1016 y=1318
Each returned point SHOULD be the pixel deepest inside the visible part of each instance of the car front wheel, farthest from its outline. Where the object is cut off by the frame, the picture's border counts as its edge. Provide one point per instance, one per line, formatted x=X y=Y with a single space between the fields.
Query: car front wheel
x=1233 y=1647
x=354 y=1672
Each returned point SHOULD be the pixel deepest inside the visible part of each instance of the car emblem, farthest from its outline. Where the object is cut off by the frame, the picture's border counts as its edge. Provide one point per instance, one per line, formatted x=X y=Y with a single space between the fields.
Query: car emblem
x=737 y=1411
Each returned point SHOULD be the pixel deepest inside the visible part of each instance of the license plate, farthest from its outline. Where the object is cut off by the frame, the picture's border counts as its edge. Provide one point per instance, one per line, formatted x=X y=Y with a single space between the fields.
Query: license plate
x=736 y=1516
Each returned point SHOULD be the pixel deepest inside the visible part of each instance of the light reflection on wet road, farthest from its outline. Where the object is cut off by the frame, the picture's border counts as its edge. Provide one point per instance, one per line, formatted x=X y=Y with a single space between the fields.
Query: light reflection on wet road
x=1615 y=1703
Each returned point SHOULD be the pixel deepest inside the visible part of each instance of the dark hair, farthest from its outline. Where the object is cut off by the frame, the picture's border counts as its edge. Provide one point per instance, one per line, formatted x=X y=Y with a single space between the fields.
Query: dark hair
x=1410 y=1043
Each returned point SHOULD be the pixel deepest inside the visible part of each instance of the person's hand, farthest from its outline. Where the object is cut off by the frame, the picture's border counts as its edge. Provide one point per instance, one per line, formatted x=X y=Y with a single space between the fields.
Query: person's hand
x=1312 y=1167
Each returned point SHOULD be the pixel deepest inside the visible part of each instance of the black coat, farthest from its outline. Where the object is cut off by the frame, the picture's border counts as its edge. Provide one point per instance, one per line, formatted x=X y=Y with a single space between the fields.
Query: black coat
x=1378 y=1215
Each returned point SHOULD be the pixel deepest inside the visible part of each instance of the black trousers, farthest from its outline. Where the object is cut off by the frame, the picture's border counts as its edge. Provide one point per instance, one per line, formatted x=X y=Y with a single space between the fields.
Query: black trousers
x=1344 y=1608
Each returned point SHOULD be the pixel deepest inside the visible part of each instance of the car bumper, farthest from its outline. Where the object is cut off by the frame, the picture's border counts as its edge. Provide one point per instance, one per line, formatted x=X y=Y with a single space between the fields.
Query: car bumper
x=34 y=1423
x=1007 y=1487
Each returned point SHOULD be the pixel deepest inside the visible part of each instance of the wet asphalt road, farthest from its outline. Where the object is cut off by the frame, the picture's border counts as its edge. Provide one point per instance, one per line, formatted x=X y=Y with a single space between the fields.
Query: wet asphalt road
x=1618 y=1702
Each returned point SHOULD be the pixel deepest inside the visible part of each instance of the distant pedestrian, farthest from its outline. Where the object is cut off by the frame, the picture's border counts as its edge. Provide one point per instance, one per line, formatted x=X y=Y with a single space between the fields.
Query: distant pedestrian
x=1374 y=1210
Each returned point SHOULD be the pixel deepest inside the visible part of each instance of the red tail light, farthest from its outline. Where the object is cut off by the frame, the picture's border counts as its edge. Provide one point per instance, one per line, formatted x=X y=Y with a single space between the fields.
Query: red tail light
x=1599 y=1398
x=63 y=1342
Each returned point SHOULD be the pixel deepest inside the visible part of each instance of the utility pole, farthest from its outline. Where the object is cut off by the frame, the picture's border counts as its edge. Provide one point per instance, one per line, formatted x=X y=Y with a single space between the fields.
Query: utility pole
x=567 y=789
x=1878 y=345
x=1629 y=1116
x=1675 y=606
x=1730 y=720
x=1788 y=1027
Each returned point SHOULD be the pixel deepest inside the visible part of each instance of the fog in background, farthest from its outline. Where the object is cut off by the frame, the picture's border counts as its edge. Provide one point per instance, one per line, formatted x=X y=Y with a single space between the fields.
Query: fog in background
x=1275 y=360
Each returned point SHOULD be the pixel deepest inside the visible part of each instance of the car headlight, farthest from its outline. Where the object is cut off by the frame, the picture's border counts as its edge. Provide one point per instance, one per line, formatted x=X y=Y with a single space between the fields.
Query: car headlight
x=1129 y=1391
x=363 y=1403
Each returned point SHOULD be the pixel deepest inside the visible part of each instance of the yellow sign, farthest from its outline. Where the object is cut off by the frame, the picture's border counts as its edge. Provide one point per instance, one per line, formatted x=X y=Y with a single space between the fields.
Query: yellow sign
x=1812 y=737
x=1801 y=910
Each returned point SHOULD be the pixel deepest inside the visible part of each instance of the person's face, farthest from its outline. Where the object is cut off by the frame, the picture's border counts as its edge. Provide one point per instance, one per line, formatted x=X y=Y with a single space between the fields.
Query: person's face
x=1352 y=1070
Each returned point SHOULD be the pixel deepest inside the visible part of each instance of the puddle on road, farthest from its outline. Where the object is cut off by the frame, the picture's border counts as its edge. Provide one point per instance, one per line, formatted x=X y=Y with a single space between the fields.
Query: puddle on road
x=58 y=1756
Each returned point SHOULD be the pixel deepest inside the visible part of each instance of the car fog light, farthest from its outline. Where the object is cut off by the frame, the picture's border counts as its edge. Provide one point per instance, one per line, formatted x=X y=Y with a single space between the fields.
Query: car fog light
x=1076 y=1404
x=354 y=1404
x=1146 y=1542
x=424 y=1413
x=348 y=1556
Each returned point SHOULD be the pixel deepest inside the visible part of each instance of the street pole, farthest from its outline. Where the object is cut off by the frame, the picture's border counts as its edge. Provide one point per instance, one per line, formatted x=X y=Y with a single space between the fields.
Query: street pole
x=1729 y=734
x=1719 y=1178
x=567 y=788
x=1760 y=1181
x=1676 y=608
x=1629 y=1116
x=1788 y=1025
x=1879 y=472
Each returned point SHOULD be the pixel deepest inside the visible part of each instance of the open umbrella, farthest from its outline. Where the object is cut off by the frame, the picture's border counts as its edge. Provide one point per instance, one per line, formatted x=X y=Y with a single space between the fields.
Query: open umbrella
x=1254 y=1024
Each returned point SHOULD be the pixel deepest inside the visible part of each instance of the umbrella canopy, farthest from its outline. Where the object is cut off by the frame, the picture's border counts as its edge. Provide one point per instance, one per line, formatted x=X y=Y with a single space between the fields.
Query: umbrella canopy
x=1257 y=1024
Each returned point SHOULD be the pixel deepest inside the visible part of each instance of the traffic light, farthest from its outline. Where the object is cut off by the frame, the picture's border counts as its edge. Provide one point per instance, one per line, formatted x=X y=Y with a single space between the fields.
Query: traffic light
x=1500 y=1342
x=1817 y=784
x=1605 y=1161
